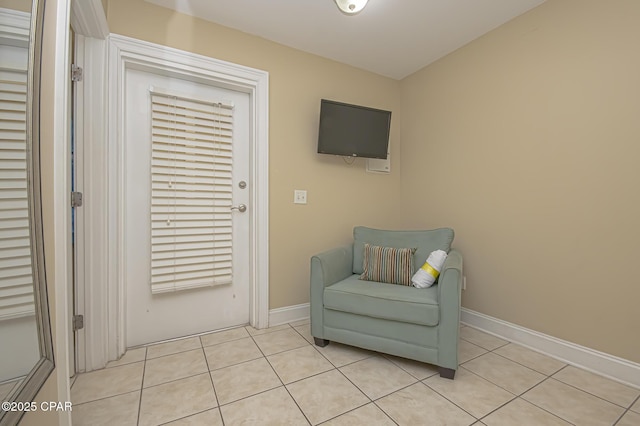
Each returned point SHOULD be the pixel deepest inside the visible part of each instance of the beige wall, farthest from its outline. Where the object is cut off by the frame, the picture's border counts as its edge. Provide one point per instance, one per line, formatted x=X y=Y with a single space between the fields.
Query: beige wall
x=529 y=141
x=525 y=137
x=339 y=196
x=22 y=5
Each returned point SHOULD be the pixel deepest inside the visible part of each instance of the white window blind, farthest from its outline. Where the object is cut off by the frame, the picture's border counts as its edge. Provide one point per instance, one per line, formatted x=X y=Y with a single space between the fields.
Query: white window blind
x=191 y=192
x=16 y=279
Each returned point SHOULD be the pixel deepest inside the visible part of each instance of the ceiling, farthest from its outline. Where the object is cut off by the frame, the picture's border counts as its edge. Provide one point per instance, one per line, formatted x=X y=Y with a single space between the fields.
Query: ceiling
x=393 y=38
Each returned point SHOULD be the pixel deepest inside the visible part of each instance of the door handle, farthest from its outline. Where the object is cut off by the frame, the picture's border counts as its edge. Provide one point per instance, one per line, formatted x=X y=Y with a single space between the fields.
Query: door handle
x=241 y=208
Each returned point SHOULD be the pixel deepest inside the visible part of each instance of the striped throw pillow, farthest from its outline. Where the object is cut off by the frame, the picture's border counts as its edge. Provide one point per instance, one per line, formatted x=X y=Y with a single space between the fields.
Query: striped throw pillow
x=387 y=264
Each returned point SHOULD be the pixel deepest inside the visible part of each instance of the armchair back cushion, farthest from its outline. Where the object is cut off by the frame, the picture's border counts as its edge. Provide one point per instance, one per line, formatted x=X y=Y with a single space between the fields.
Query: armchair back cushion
x=423 y=241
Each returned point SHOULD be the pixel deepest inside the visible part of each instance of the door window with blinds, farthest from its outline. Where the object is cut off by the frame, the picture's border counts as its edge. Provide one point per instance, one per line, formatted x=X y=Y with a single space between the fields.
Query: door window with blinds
x=191 y=192
x=16 y=279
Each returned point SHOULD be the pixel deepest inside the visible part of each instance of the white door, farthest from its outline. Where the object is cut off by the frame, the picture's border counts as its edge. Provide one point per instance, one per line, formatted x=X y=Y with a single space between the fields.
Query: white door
x=155 y=317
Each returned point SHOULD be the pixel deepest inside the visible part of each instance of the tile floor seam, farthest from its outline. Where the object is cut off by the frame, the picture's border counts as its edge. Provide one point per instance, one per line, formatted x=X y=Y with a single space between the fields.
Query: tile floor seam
x=604 y=377
x=300 y=334
x=178 y=379
x=213 y=385
x=477 y=356
x=356 y=386
x=368 y=355
x=188 y=336
x=233 y=365
x=225 y=341
x=502 y=387
x=297 y=405
x=342 y=414
x=370 y=399
x=352 y=362
x=104 y=398
x=452 y=402
x=515 y=396
x=222 y=343
x=529 y=402
x=589 y=393
x=262 y=333
x=237 y=364
x=621 y=416
x=526 y=366
x=497 y=408
x=206 y=361
x=322 y=355
x=407 y=371
x=492 y=335
x=170 y=354
x=144 y=367
x=398 y=390
x=539 y=353
x=247 y=397
x=186 y=417
x=308 y=377
x=285 y=386
x=385 y=413
x=542 y=408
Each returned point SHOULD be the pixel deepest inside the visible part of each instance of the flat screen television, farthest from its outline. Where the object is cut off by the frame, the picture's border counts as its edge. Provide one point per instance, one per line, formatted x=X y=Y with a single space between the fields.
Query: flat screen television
x=353 y=130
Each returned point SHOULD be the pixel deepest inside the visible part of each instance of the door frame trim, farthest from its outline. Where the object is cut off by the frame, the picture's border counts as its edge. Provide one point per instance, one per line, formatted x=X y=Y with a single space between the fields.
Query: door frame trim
x=123 y=53
x=90 y=120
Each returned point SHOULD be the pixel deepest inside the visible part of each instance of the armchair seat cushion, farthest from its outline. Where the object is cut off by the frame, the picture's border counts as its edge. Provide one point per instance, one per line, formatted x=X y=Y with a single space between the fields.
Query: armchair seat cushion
x=378 y=300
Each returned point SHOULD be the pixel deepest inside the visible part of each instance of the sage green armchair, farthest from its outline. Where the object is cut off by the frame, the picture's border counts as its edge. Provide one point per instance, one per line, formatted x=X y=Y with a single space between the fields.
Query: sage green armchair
x=419 y=324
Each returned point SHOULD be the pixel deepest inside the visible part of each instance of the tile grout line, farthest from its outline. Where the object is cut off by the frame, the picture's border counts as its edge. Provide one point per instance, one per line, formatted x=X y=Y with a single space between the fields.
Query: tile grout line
x=371 y=401
x=547 y=376
x=526 y=366
x=215 y=394
x=385 y=413
x=515 y=396
x=502 y=387
x=588 y=392
x=542 y=408
x=280 y=378
x=248 y=396
x=627 y=410
x=452 y=402
x=339 y=371
x=144 y=368
x=519 y=396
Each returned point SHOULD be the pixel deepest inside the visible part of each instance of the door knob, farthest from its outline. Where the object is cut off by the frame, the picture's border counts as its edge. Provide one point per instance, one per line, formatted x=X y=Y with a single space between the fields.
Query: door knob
x=241 y=208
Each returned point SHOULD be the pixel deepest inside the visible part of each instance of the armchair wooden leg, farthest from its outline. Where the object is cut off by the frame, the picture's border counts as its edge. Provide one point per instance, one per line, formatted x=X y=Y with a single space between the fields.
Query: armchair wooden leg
x=447 y=373
x=320 y=342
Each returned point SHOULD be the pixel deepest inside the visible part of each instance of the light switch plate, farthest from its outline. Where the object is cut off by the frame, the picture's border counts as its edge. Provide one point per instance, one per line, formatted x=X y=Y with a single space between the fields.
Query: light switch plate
x=300 y=196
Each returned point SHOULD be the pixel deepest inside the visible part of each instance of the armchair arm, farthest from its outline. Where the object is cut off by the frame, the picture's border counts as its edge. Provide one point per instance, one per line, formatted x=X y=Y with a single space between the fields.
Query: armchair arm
x=449 y=296
x=327 y=268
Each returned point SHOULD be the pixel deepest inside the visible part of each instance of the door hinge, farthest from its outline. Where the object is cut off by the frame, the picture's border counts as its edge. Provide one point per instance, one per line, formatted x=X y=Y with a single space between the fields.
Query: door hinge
x=76 y=73
x=76 y=199
x=78 y=322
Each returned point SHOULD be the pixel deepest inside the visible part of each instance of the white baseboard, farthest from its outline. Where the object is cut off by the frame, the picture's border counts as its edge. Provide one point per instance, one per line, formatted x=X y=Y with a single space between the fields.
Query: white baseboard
x=610 y=366
x=288 y=314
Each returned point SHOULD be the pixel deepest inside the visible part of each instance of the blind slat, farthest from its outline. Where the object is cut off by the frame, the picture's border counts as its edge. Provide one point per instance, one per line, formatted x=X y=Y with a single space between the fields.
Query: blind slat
x=16 y=279
x=191 y=193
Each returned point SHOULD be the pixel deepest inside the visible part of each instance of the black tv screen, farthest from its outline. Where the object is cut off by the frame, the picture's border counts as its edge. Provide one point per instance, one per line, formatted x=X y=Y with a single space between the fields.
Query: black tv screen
x=352 y=130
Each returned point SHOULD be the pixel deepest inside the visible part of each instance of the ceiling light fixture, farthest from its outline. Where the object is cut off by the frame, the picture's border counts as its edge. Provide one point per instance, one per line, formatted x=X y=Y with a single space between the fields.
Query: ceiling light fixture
x=351 y=7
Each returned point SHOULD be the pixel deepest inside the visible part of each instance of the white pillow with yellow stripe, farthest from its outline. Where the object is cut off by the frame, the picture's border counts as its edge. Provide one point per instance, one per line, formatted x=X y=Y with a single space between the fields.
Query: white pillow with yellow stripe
x=428 y=273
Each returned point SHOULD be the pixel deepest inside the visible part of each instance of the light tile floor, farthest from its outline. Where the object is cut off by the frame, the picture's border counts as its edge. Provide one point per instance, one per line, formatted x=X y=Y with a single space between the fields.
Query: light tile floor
x=278 y=377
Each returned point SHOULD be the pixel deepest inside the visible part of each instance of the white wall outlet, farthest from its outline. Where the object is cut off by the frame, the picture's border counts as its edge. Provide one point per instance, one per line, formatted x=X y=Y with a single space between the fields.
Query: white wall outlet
x=300 y=196
x=464 y=282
